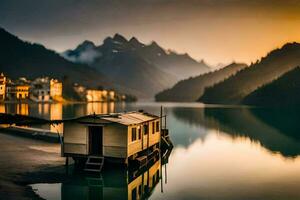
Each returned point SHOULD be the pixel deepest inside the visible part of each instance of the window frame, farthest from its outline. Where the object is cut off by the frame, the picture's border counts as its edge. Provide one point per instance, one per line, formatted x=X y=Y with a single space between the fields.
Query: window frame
x=157 y=126
x=153 y=127
x=146 y=129
x=133 y=134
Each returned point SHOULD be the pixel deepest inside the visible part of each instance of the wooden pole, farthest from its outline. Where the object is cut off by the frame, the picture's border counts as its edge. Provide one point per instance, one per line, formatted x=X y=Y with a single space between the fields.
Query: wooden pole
x=160 y=156
x=166 y=173
x=67 y=161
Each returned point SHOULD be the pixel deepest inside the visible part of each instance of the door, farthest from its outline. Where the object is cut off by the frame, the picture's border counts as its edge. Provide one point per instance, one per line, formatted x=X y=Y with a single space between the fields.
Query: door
x=95 y=140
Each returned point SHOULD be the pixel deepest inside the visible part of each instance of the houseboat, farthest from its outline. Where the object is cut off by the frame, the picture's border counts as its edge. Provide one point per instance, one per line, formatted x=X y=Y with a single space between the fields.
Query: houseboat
x=129 y=137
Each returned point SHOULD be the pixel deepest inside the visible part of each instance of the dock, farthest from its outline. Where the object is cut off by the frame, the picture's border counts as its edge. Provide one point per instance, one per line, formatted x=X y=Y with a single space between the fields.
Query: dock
x=34 y=133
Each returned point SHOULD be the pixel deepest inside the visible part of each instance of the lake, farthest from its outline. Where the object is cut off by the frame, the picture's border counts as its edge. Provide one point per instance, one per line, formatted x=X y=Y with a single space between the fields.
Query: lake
x=219 y=153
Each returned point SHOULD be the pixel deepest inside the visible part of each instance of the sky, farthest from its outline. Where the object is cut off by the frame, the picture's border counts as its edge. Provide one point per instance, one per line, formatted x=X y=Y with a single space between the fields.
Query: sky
x=218 y=31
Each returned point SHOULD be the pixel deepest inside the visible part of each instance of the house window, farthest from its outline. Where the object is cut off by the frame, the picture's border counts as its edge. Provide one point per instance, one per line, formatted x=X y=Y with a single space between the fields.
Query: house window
x=146 y=129
x=157 y=126
x=133 y=134
x=134 y=194
x=153 y=126
x=140 y=190
x=140 y=133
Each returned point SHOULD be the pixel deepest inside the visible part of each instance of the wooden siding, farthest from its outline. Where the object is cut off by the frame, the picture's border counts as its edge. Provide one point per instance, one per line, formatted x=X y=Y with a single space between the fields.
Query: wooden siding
x=115 y=141
x=75 y=138
x=141 y=144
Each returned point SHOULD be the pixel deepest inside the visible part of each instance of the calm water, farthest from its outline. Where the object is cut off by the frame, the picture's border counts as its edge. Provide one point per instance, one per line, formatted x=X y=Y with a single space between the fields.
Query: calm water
x=219 y=153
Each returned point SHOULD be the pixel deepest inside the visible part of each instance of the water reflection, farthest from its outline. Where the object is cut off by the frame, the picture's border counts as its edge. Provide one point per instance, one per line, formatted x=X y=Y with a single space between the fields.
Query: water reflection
x=115 y=183
x=57 y=111
x=274 y=129
x=219 y=153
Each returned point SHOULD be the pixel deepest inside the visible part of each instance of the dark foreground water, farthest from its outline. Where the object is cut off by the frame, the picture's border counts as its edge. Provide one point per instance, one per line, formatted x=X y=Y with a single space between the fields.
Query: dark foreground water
x=219 y=153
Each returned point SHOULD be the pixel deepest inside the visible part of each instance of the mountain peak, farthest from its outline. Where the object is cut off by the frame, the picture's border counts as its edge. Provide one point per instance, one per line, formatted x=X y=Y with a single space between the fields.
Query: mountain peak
x=119 y=38
x=156 y=48
x=135 y=43
x=86 y=44
x=154 y=44
x=134 y=40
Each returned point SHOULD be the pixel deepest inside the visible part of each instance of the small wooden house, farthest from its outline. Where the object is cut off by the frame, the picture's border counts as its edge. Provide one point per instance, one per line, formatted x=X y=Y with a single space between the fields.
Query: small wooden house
x=118 y=137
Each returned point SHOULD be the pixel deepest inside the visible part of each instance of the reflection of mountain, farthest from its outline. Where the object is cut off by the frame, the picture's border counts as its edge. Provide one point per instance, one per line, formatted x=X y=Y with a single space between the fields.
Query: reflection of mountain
x=186 y=125
x=286 y=120
x=272 y=130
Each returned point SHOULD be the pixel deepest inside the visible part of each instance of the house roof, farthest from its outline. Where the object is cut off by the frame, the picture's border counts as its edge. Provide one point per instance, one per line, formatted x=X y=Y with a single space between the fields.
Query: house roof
x=127 y=118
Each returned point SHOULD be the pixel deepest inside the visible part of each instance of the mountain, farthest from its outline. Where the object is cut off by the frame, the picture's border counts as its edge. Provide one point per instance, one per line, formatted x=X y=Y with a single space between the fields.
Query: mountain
x=19 y=58
x=237 y=87
x=145 y=69
x=181 y=66
x=284 y=91
x=191 y=89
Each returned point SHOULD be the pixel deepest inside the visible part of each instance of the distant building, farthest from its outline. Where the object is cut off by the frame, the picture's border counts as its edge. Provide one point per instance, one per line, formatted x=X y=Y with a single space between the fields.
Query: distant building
x=45 y=90
x=40 y=93
x=94 y=95
x=40 y=90
x=111 y=95
x=2 y=87
x=55 y=88
x=17 y=91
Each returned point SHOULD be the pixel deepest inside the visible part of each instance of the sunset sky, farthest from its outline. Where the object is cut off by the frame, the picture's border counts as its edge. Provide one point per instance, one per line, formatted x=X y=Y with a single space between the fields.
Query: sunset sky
x=218 y=31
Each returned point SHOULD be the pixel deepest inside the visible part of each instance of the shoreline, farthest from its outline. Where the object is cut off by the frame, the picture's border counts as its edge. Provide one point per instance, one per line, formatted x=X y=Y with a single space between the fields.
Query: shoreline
x=67 y=102
x=27 y=161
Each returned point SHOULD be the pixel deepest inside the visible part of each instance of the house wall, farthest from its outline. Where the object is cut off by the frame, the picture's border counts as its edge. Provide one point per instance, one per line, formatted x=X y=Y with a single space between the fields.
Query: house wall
x=55 y=88
x=142 y=143
x=2 y=87
x=22 y=92
x=115 y=141
x=75 y=138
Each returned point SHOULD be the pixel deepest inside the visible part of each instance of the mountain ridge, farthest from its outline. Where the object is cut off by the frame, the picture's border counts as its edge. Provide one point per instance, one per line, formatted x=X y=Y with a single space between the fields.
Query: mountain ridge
x=191 y=89
x=235 y=88
x=21 y=58
x=283 y=91
x=144 y=68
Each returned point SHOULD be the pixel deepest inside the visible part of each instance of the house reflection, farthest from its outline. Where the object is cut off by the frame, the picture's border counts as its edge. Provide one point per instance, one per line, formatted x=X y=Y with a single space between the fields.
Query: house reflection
x=114 y=184
x=56 y=113
x=100 y=108
x=22 y=109
x=2 y=108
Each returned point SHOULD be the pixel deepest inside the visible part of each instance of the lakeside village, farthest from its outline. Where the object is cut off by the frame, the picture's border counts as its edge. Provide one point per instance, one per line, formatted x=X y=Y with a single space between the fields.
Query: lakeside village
x=134 y=145
x=48 y=90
